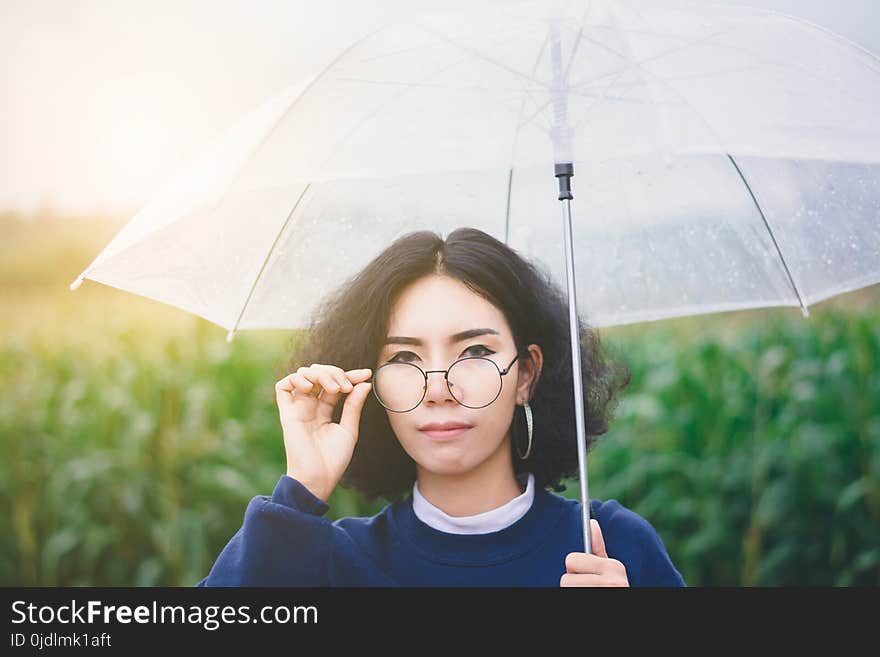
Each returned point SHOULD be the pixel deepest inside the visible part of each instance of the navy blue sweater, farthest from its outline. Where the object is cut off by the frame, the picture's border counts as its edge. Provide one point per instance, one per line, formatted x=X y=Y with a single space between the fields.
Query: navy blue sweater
x=286 y=541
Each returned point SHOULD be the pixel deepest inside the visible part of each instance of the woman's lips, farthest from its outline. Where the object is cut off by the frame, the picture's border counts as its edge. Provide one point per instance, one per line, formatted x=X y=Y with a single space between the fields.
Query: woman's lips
x=447 y=433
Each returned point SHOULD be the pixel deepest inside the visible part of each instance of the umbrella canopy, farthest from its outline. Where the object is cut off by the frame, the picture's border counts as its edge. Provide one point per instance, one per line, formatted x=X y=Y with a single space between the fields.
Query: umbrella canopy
x=727 y=158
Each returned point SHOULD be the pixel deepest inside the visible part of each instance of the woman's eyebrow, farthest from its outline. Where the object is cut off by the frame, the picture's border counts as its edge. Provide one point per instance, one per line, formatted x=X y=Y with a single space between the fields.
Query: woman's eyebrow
x=457 y=337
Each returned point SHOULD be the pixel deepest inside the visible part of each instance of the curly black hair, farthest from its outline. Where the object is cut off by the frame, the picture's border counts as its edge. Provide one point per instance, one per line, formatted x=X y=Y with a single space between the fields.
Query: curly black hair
x=349 y=327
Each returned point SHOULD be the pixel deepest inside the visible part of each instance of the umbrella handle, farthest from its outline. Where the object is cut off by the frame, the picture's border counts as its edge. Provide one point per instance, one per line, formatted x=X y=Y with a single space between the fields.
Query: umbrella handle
x=564 y=173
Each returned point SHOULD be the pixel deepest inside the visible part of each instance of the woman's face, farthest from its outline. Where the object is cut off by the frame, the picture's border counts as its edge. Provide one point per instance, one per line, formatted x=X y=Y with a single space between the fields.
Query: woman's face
x=430 y=311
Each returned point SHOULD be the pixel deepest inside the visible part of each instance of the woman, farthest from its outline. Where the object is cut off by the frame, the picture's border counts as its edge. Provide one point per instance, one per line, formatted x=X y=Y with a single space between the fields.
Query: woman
x=471 y=412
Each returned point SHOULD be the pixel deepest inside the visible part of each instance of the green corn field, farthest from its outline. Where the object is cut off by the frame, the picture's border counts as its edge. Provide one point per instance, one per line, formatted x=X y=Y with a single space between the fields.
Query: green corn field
x=133 y=435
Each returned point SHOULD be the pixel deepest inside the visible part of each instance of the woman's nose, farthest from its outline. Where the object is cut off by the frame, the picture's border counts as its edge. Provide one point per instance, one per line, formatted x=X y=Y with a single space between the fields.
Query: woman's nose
x=437 y=390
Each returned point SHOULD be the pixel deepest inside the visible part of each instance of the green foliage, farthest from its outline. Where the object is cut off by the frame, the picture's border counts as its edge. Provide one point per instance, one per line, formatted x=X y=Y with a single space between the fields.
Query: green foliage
x=127 y=468
x=133 y=438
x=755 y=455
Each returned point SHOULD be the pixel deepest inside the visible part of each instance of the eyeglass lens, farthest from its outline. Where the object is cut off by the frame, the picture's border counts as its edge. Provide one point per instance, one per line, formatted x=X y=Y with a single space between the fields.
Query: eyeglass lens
x=473 y=382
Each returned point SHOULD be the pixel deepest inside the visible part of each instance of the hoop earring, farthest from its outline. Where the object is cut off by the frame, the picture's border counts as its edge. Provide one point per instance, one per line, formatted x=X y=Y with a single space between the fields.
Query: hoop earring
x=530 y=424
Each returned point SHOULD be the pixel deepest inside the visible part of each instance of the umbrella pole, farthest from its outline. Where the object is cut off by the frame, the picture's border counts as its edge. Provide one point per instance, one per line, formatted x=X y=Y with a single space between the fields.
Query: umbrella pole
x=564 y=173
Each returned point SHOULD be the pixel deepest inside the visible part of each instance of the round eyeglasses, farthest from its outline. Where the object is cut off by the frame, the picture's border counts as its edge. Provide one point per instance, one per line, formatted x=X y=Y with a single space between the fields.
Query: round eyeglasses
x=474 y=382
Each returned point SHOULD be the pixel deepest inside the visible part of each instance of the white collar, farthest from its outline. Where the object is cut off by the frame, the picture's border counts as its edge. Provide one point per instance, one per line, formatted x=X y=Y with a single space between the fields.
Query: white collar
x=481 y=523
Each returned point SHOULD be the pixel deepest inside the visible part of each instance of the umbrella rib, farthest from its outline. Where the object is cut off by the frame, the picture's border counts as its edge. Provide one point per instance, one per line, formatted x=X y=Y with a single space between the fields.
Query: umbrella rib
x=577 y=43
x=480 y=55
x=786 y=65
x=772 y=236
x=407 y=87
x=679 y=78
x=293 y=104
x=783 y=64
x=527 y=94
x=834 y=35
x=599 y=94
x=663 y=82
x=265 y=262
x=305 y=190
x=507 y=210
x=597 y=97
x=660 y=55
x=520 y=123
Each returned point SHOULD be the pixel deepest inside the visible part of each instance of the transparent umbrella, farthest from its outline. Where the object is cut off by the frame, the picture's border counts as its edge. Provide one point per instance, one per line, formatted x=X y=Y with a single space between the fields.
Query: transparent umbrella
x=727 y=158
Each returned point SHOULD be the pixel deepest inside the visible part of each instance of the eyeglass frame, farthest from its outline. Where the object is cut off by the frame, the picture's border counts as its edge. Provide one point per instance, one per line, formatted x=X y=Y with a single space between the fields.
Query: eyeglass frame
x=425 y=373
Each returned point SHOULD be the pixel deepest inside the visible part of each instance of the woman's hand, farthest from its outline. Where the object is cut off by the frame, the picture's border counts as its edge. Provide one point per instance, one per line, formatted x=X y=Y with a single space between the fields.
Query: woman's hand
x=583 y=569
x=317 y=449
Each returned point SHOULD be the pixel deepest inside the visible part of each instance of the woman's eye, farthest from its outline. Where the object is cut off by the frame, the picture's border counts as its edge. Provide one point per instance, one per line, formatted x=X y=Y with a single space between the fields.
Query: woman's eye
x=406 y=356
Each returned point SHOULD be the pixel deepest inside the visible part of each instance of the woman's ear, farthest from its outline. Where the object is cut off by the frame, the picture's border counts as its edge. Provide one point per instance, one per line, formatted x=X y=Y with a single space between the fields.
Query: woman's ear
x=529 y=373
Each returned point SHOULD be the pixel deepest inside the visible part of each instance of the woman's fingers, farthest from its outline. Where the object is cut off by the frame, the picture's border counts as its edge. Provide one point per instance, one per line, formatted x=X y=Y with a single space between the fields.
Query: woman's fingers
x=332 y=393
x=354 y=404
x=301 y=383
x=318 y=450
x=287 y=388
x=582 y=580
x=325 y=384
x=320 y=379
x=598 y=542
x=597 y=569
x=584 y=564
x=584 y=569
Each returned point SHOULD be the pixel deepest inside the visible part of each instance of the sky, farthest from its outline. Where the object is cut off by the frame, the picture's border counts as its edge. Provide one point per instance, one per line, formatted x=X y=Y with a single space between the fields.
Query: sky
x=101 y=99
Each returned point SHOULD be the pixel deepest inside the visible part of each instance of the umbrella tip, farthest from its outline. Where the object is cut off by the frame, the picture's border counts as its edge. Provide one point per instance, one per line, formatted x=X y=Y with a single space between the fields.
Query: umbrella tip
x=75 y=285
x=229 y=335
x=804 y=311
